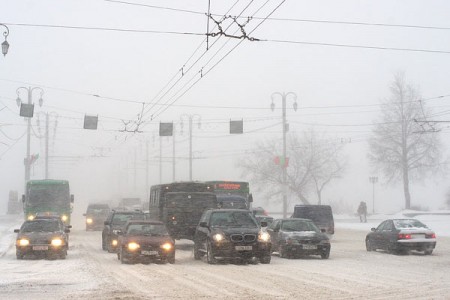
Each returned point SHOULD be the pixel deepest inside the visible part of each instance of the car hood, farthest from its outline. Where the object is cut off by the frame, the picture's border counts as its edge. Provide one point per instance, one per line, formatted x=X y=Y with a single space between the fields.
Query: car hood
x=147 y=240
x=235 y=230
x=39 y=235
x=304 y=235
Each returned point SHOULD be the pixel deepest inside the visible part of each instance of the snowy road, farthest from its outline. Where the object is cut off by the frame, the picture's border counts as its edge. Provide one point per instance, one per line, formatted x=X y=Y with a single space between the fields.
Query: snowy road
x=350 y=273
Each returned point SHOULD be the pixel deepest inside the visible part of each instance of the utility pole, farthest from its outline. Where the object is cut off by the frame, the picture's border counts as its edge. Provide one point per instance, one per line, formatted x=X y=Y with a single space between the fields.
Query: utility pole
x=191 y=119
x=373 y=180
x=147 y=187
x=283 y=162
x=29 y=91
x=160 y=159
x=46 y=145
x=173 y=154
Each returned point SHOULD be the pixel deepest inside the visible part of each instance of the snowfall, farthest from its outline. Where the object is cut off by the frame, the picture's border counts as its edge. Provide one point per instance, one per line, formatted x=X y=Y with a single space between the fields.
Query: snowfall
x=350 y=273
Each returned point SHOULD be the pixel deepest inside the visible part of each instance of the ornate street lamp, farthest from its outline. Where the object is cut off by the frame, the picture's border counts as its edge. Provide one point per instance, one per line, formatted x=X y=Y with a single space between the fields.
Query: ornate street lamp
x=5 y=44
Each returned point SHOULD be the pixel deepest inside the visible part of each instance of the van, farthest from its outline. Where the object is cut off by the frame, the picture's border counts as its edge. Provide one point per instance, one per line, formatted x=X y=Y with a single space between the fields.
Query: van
x=321 y=215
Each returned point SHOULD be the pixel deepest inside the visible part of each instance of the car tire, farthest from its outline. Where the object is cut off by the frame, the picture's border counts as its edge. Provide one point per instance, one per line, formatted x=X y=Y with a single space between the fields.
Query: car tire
x=428 y=251
x=19 y=255
x=197 y=255
x=123 y=260
x=210 y=254
x=104 y=243
x=282 y=252
x=171 y=259
x=325 y=254
x=265 y=259
x=369 y=246
x=63 y=254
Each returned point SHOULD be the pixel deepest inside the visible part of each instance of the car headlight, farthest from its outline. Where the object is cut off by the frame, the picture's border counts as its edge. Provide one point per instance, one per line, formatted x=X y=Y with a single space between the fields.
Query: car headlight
x=115 y=242
x=57 y=242
x=133 y=246
x=218 y=237
x=30 y=217
x=89 y=221
x=167 y=246
x=64 y=218
x=264 y=237
x=23 y=242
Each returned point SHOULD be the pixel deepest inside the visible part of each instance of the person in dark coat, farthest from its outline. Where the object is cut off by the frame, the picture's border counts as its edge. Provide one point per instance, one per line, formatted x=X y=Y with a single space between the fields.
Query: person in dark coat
x=362 y=212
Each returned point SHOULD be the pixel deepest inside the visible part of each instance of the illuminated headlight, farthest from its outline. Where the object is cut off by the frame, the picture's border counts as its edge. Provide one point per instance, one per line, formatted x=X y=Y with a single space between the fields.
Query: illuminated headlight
x=57 y=242
x=264 y=237
x=23 y=242
x=167 y=246
x=64 y=218
x=114 y=243
x=30 y=217
x=133 y=246
x=89 y=221
x=218 y=237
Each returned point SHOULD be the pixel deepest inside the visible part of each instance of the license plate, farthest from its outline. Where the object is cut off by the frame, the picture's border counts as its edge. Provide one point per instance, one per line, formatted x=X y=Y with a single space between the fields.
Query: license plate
x=40 y=248
x=418 y=236
x=243 y=248
x=309 y=247
x=149 y=252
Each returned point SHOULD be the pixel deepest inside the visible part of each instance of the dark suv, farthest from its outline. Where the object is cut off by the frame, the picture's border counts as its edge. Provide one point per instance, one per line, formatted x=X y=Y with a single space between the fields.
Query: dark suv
x=114 y=223
x=231 y=234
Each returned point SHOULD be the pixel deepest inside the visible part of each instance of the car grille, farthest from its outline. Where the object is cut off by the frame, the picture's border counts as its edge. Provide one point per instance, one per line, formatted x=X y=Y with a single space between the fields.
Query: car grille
x=41 y=241
x=243 y=237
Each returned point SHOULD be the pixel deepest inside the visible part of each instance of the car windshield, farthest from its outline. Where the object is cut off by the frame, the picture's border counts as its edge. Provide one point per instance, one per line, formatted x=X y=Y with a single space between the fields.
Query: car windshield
x=233 y=219
x=147 y=229
x=97 y=211
x=41 y=226
x=121 y=219
x=409 y=224
x=297 y=225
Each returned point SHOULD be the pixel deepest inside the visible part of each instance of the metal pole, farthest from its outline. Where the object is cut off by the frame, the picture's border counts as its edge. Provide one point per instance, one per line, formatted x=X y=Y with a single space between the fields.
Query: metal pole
x=147 y=187
x=373 y=197
x=284 y=158
x=27 y=160
x=190 y=148
x=46 y=144
x=173 y=155
x=160 y=160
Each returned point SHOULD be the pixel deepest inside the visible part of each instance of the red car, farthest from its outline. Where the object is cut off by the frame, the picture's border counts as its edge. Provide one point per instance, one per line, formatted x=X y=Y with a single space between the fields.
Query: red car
x=145 y=241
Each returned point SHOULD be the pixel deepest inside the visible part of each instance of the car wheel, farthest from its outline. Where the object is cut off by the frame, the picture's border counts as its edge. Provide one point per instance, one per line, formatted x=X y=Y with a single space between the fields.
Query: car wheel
x=103 y=243
x=282 y=252
x=19 y=255
x=171 y=259
x=265 y=259
x=197 y=255
x=325 y=254
x=210 y=254
x=123 y=260
x=118 y=255
x=369 y=246
x=63 y=254
x=428 y=251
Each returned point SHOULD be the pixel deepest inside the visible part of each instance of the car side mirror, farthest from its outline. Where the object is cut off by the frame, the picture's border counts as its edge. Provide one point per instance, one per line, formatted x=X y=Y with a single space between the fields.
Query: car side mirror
x=276 y=229
x=263 y=224
x=67 y=230
x=72 y=198
x=203 y=224
x=372 y=229
x=69 y=226
x=323 y=230
x=119 y=232
x=106 y=223
x=16 y=230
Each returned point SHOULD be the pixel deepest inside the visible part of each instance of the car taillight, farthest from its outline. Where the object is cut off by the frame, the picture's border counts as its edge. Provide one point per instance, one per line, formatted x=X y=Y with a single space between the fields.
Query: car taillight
x=404 y=236
x=430 y=236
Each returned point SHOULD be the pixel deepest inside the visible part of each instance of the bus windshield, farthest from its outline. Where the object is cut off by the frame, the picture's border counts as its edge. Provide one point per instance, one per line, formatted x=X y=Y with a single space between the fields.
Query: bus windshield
x=56 y=195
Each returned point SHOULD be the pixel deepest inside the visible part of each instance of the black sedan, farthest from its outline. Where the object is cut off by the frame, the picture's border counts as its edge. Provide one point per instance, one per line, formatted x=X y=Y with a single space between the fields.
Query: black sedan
x=145 y=241
x=298 y=237
x=400 y=236
x=42 y=237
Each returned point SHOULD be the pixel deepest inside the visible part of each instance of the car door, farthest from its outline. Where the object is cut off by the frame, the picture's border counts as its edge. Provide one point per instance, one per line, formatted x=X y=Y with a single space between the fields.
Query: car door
x=274 y=231
x=389 y=234
x=377 y=239
x=201 y=233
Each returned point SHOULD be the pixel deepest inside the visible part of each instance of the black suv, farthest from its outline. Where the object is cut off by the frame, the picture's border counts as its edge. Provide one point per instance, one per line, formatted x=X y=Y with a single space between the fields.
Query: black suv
x=231 y=234
x=114 y=223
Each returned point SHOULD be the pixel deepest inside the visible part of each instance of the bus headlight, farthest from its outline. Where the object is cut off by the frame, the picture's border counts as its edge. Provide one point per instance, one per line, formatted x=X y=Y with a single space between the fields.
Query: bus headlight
x=30 y=217
x=23 y=242
x=64 y=218
x=57 y=242
x=133 y=246
x=167 y=246
x=89 y=221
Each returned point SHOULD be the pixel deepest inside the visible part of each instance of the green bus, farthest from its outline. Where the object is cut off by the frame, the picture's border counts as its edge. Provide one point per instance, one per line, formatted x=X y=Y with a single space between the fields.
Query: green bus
x=48 y=197
x=232 y=192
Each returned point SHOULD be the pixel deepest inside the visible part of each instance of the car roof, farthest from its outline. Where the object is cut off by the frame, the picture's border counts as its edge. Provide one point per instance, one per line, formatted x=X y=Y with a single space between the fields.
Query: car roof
x=228 y=210
x=299 y=219
x=129 y=212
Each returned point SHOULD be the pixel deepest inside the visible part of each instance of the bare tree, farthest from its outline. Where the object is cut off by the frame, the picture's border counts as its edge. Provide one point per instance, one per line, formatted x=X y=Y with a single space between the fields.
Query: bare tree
x=313 y=163
x=399 y=146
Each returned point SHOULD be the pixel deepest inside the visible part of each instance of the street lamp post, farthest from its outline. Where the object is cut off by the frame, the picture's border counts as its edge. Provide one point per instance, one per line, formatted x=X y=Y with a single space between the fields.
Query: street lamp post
x=373 y=180
x=191 y=120
x=29 y=91
x=5 y=44
x=283 y=163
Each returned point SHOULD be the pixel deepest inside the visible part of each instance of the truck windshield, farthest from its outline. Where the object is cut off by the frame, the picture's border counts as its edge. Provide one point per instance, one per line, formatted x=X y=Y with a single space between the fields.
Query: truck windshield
x=55 y=195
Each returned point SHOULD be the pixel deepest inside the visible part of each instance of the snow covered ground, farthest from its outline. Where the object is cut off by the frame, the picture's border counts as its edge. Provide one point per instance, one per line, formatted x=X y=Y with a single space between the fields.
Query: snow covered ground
x=350 y=273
